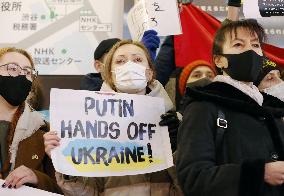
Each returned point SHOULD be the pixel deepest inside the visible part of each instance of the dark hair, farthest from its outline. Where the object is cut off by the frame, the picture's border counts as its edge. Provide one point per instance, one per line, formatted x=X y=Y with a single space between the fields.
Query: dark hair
x=231 y=27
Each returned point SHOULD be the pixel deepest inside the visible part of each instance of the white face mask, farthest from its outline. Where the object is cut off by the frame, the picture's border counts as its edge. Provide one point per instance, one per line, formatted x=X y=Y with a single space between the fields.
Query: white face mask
x=130 y=77
x=276 y=91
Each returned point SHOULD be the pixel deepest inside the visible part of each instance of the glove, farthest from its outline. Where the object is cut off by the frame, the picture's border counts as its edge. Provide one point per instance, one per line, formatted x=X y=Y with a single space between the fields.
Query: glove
x=151 y=41
x=185 y=1
x=170 y=119
x=234 y=3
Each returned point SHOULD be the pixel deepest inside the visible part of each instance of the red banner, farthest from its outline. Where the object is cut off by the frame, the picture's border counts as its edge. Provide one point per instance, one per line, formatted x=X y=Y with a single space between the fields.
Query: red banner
x=197 y=39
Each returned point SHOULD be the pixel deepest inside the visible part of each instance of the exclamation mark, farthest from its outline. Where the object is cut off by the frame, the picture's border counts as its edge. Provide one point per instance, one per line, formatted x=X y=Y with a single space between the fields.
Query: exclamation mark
x=150 y=152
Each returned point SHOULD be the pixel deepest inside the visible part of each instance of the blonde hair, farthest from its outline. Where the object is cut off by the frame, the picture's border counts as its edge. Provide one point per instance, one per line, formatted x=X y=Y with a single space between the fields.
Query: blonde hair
x=18 y=50
x=107 y=74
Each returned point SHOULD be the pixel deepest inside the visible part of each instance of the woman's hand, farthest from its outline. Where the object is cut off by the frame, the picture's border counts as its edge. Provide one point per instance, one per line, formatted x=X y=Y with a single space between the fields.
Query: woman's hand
x=20 y=176
x=51 y=141
x=274 y=173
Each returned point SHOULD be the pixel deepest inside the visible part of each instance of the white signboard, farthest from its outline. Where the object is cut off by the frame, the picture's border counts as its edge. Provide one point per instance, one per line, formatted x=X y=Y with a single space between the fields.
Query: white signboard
x=108 y=134
x=60 y=35
x=24 y=190
x=160 y=15
x=263 y=8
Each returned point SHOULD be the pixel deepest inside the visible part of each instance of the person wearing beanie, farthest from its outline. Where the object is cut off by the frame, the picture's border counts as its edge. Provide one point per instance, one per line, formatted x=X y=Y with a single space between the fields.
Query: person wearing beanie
x=195 y=71
x=270 y=84
x=270 y=75
x=94 y=81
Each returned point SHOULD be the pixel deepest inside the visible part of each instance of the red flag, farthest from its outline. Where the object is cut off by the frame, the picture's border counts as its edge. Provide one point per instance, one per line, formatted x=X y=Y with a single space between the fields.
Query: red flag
x=197 y=39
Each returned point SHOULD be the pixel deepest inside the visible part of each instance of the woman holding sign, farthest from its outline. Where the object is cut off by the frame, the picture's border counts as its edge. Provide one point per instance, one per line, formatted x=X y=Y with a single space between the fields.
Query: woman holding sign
x=128 y=69
x=22 y=156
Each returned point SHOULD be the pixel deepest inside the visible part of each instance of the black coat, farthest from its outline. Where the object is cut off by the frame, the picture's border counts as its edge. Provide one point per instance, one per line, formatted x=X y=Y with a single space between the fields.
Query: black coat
x=253 y=137
x=166 y=67
x=165 y=62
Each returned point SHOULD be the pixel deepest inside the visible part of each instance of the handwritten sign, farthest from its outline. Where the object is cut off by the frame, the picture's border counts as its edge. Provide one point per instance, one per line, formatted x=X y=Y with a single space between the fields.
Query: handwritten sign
x=263 y=8
x=24 y=190
x=108 y=134
x=154 y=14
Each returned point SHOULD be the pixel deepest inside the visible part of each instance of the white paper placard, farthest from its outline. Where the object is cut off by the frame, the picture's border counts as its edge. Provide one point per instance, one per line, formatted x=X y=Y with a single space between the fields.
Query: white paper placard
x=159 y=15
x=108 y=134
x=24 y=190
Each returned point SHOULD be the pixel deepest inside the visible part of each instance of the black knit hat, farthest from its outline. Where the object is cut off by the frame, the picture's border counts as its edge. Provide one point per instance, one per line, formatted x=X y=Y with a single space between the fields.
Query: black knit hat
x=104 y=47
x=267 y=67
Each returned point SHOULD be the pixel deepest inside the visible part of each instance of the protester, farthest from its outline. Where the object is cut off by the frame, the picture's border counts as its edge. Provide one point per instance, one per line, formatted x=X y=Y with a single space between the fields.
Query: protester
x=271 y=85
x=22 y=156
x=270 y=75
x=128 y=69
x=228 y=144
x=194 y=71
x=197 y=73
x=269 y=80
x=94 y=81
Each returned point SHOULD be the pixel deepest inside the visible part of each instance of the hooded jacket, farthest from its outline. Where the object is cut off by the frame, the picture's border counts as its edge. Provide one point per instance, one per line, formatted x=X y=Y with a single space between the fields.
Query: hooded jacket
x=235 y=165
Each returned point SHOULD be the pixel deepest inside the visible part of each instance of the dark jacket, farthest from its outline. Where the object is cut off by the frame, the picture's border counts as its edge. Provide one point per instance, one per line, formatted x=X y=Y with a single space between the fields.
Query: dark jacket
x=165 y=62
x=271 y=101
x=166 y=67
x=234 y=165
x=92 y=82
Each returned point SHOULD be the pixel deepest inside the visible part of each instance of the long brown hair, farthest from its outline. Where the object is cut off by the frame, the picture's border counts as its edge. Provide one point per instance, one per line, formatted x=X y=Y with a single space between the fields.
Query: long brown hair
x=21 y=107
x=107 y=74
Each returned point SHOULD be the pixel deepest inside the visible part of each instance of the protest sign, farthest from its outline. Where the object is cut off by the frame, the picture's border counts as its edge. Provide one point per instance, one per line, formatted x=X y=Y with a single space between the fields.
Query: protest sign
x=108 y=134
x=24 y=190
x=263 y=8
x=154 y=14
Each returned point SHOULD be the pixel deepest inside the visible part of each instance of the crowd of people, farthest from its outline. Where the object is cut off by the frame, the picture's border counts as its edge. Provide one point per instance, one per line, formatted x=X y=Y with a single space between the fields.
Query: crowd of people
x=226 y=134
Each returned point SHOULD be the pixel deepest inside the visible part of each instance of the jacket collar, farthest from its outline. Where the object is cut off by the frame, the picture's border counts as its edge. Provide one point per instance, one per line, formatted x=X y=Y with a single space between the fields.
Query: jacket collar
x=228 y=96
x=29 y=122
x=249 y=89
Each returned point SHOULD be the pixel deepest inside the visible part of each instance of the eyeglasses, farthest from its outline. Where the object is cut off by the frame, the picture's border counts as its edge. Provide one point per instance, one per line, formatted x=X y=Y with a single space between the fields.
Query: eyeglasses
x=14 y=70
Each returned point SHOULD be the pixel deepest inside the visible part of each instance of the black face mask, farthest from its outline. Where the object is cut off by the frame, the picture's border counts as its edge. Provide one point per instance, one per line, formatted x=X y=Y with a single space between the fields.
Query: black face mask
x=199 y=83
x=245 y=66
x=15 y=89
